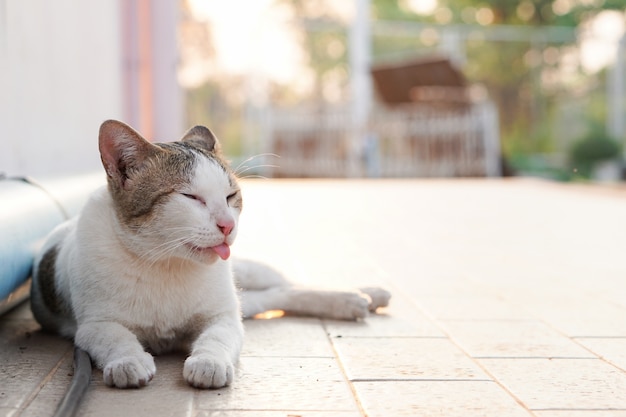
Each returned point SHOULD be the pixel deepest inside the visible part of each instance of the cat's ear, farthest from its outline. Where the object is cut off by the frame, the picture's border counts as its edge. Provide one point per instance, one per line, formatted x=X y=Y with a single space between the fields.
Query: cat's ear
x=202 y=137
x=122 y=149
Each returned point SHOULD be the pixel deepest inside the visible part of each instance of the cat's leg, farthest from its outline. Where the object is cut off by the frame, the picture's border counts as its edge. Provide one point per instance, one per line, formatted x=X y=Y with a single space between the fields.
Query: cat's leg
x=340 y=305
x=252 y=275
x=254 y=302
x=214 y=353
x=263 y=288
x=116 y=351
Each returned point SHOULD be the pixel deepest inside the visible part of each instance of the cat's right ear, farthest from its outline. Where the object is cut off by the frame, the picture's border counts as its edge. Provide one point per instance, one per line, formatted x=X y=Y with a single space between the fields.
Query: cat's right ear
x=122 y=149
x=202 y=137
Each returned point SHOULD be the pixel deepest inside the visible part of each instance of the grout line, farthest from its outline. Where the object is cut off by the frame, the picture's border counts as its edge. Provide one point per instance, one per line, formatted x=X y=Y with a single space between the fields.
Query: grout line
x=442 y=328
x=44 y=381
x=579 y=409
x=482 y=320
x=285 y=356
x=594 y=358
x=575 y=340
x=420 y=380
x=342 y=368
x=300 y=412
x=387 y=337
x=597 y=337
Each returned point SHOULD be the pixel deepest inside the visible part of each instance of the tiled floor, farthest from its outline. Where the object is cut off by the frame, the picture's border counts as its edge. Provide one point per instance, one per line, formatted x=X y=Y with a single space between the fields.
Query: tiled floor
x=509 y=300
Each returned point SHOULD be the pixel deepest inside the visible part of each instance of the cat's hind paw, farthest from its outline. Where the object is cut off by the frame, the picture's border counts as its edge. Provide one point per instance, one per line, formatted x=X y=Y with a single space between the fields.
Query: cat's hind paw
x=380 y=297
x=206 y=371
x=349 y=306
x=129 y=372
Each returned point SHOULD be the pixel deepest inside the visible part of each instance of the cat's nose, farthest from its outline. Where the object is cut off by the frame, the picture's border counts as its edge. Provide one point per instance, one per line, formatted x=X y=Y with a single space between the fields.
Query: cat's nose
x=226 y=226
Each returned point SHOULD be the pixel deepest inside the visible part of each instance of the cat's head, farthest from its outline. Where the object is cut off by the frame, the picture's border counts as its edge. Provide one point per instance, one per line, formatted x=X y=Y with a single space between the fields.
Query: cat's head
x=177 y=199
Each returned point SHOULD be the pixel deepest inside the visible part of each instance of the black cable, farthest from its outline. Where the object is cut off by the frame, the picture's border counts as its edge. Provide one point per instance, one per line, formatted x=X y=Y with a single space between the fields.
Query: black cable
x=80 y=382
x=36 y=184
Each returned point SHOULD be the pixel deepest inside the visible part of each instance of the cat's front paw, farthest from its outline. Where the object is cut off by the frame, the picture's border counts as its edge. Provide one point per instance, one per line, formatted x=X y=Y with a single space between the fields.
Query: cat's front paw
x=206 y=371
x=129 y=372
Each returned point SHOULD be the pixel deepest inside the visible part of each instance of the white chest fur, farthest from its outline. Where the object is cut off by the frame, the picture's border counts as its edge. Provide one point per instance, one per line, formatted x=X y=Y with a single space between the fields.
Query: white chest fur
x=108 y=281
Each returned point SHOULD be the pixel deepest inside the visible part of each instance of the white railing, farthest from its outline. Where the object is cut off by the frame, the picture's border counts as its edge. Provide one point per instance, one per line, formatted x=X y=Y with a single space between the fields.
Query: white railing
x=412 y=141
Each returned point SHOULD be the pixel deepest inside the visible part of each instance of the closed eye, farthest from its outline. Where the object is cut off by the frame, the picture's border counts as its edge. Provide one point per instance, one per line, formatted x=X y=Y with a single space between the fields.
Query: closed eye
x=193 y=197
x=231 y=195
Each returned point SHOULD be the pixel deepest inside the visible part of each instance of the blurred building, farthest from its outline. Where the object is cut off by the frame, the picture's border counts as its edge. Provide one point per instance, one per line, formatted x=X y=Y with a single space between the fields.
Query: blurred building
x=424 y=122
x=68 y=65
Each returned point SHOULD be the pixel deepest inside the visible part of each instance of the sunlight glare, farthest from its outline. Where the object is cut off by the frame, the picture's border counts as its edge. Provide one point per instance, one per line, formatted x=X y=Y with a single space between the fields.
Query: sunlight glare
x=270 y=314
x=252 y=36
x=600 y=37
x=423 y=7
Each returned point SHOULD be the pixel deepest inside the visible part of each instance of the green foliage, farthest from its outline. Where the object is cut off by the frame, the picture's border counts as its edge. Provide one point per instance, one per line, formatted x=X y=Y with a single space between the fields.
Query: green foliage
x=513 y=72
x=539 y=166
x=534 y=12
x=522 y=77
x=325 y=42
x=596 y=146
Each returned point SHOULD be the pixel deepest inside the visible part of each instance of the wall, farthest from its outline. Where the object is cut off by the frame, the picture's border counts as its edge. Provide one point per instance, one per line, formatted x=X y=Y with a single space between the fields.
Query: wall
x=64 y=68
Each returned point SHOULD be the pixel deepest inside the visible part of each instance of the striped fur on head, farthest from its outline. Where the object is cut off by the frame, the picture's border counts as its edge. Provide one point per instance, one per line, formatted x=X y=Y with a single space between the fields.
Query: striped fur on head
x=141 y=175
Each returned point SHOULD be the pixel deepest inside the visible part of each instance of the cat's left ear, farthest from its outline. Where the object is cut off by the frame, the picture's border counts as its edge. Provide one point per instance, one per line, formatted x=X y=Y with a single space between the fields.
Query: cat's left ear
x=122 y=150
x=202 y=137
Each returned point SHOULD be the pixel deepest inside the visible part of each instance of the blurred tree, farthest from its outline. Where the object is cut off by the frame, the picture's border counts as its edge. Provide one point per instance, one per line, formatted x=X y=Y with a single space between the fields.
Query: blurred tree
x=210 y=99
x=523 y=78
x=325 y=42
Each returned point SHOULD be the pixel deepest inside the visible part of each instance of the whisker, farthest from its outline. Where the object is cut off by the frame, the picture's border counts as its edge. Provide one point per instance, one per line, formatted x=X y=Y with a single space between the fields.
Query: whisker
x=243 y=167
x=236 y=170
x=150 y=257
x=253 y=176
x=238 y=173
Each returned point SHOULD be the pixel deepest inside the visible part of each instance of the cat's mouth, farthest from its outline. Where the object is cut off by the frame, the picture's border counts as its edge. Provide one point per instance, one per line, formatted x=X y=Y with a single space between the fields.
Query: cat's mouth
x=222 y=250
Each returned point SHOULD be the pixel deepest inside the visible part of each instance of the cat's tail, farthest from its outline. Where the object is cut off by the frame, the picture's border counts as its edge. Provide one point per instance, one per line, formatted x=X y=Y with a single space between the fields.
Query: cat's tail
x=80 y=382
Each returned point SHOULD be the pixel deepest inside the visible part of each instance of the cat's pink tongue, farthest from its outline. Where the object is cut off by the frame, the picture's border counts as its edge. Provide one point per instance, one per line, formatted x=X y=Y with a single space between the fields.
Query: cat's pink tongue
x=223 y=250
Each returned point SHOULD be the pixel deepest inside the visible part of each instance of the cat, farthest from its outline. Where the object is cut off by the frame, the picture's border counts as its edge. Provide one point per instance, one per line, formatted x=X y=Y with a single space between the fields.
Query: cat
x=145 y=268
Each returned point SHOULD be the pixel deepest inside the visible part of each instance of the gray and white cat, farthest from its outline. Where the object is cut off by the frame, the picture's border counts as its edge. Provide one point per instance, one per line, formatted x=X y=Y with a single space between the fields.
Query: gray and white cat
x=145 y=266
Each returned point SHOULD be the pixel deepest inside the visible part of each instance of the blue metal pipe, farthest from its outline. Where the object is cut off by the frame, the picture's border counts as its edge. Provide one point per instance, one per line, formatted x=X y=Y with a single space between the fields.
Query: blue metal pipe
x=28 y=212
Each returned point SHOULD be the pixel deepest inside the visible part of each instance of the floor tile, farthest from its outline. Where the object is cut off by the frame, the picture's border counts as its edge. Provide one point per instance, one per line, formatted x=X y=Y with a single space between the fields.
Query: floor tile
x=276 y=413
x=405 y=359
x=437 y=399
x=575 y=313
x=387 y=324
x=27 y=358
x=286 y=336
x=494 y=269
x=512 y=338
x=591 y=327
x=561 y=383
x=472 y=307
x=580 y=413
x=166 y=395
x=50 y=394
x=611 y=349
x=267 y=383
